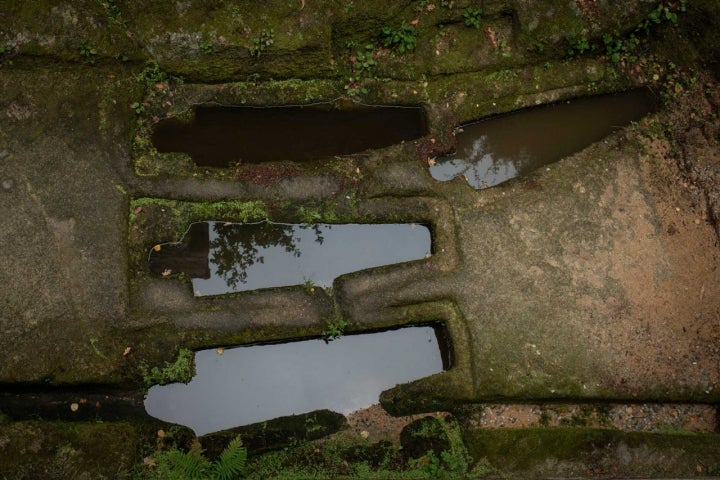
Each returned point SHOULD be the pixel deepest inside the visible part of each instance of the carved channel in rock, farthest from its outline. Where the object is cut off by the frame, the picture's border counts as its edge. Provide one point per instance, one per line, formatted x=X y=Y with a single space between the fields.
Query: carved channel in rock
x=497 y=149
x=233 y=257
x=223 y=136
x=250 y=384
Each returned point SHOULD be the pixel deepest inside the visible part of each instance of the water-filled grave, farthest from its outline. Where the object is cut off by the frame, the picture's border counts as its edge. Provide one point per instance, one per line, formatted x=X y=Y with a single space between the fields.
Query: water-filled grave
x=222 y=257
x=499 y=148
x=220 y=136
x=255 y=383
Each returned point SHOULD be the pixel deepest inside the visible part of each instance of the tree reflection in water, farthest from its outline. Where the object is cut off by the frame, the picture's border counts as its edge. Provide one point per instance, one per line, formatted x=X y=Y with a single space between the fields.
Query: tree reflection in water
x=236 y=247
x=232 y=257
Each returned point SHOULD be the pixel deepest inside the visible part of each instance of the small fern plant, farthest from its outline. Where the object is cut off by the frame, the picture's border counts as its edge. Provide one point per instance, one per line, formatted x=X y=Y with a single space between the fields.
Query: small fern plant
x=174 y=464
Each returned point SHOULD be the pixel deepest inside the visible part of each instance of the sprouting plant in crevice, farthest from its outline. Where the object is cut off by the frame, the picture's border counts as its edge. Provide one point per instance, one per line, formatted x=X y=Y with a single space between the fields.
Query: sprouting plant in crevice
x=138 y=107
x=363 y=60
x=86 y=51
x=401 y=39
x=181 y=370
x=262 y=42
x=158 y=89
x=308 y=286
x=335 y=324
x=472 y=17
x=5 y=53
x=578 y=45
x=309 y=215
x=98 y=352
x=152 y=74
x=334 y=327
x=112 y=11
x=665 y=11
x=616 y=47
x=361 y=64
x=206 y=47
x=675 y=82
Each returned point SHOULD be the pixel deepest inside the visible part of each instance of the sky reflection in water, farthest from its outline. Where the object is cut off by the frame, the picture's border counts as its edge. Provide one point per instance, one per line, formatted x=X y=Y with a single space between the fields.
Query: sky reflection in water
x=223 y=258
x=256 y=383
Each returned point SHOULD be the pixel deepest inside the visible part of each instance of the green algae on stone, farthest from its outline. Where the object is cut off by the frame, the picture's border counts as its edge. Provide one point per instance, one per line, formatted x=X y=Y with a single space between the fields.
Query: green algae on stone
x=538 y=453
x=82 y=450
x=277 y=433
x=474 y=95
x=154 y=220
x=437 y=442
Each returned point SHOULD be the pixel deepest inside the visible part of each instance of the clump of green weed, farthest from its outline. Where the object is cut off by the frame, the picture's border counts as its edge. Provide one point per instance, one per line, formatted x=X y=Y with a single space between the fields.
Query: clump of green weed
x=262 y=42
x=87 y=52
x=617 y=48
x=112 y=11
x=361 y=64
x=309 y=215
x=152 y=74
x=6 y=54
x=334 y=327
x=207 y=47
x=182 y=370
x=472 y=17
x=401 y=39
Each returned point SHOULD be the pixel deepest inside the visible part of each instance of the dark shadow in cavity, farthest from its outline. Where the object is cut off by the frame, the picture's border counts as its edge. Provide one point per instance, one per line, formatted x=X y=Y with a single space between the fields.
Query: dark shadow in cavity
x=222 y=136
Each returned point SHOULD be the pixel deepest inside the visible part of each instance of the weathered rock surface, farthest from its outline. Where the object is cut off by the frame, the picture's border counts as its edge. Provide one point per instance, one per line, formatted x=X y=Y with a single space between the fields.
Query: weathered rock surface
x=595 y=278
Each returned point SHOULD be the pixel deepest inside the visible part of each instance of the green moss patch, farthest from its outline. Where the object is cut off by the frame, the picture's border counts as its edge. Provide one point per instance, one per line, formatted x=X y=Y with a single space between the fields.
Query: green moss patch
x=67 y=450
x=153 y=221
x=535 y=453
x=277 y=433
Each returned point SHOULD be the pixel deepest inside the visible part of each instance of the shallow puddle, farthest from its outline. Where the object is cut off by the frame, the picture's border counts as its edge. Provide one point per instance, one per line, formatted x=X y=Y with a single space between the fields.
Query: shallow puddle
x=220 y=136
x=234 y=257
x=251 y=384
x=492 y=151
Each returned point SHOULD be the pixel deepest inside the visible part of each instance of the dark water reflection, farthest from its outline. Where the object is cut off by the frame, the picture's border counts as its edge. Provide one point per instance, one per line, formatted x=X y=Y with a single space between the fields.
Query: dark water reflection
x=492 y=151
x=251 y=384
x=219 y=136
x=233 y=257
